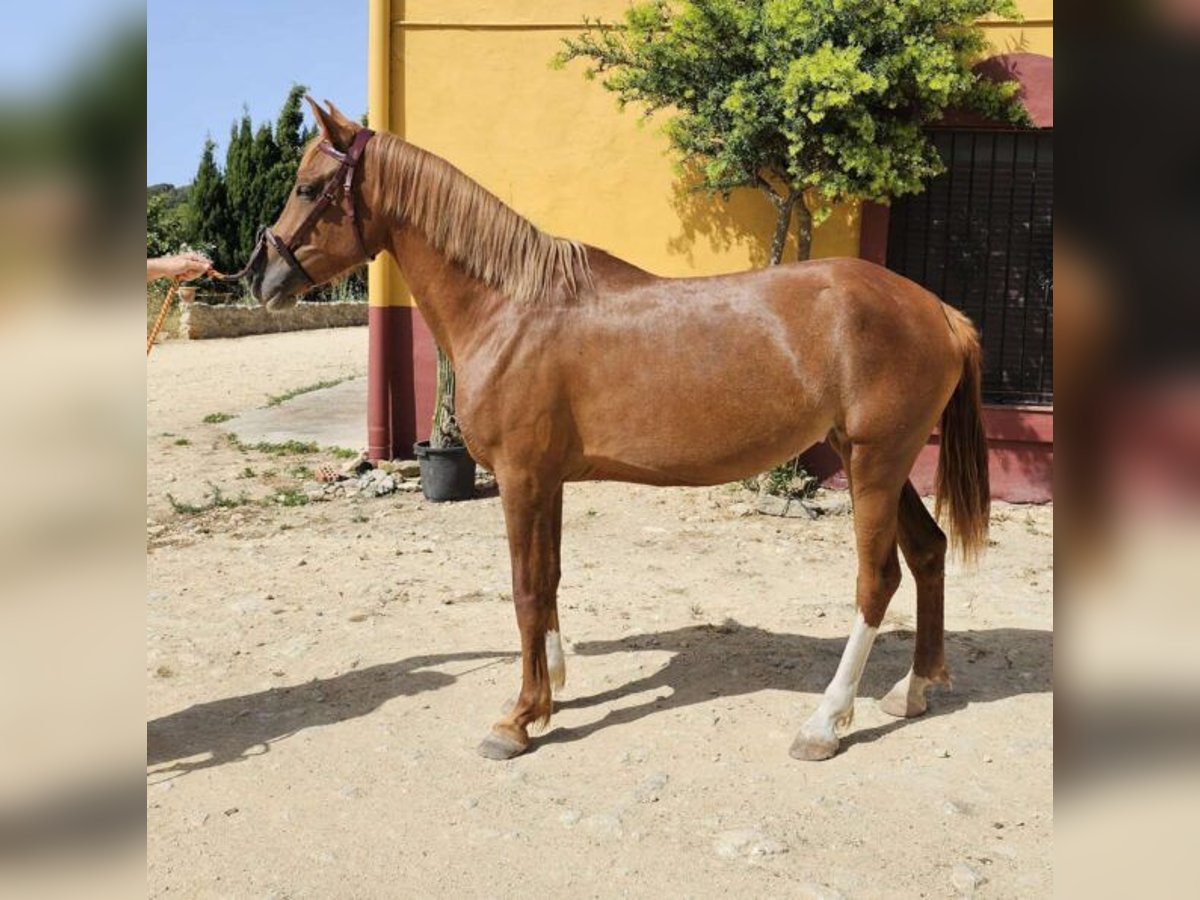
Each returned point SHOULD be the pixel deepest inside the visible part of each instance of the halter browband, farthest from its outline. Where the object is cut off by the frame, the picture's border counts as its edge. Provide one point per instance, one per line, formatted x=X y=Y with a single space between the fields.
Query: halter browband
x=340 y=187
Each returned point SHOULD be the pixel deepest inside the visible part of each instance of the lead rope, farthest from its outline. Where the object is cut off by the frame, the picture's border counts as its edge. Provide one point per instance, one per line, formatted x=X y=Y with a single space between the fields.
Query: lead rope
x=162 y=315
x=212 y=275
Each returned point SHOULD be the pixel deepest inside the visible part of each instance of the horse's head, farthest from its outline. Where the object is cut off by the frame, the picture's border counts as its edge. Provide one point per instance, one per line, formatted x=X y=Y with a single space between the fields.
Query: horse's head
x=319 y=235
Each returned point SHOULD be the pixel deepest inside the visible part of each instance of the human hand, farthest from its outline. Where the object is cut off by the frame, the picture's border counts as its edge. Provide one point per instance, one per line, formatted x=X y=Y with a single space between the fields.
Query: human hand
x=184 y=266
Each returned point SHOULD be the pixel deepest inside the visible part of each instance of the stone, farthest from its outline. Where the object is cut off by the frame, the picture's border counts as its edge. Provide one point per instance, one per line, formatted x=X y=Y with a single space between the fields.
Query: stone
x=787 y=507
x=941 y=753
x=966 y=879
x=384 y=485
x=570 y=817
x=358 y=465
x=409 y=468
x=409 y=487
x=650 y=790
x=747 y=843
x=604 y=823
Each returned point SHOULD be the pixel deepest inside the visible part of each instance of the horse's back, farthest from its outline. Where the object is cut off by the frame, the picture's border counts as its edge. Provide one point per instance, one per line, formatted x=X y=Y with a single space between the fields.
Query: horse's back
x=700 y=380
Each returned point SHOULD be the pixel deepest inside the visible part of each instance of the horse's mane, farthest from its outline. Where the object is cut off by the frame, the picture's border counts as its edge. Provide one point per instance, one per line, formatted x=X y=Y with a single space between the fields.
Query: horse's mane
x=474 y=228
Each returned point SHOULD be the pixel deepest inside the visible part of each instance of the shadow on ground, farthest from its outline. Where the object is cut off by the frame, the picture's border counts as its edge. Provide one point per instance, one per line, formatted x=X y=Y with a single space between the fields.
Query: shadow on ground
x=242 y=727
x=729 y=660
x=709 y=662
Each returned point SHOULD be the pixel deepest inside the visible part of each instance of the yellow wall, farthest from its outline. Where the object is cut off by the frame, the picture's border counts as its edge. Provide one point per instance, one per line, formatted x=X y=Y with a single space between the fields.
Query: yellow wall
x=470 y=80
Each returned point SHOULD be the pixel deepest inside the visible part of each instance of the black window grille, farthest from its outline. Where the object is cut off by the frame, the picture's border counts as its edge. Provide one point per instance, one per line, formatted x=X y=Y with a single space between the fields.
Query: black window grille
x=981 y=237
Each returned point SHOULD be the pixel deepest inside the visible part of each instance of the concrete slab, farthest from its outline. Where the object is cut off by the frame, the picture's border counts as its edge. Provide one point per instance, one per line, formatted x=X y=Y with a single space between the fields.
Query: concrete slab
x=330 y=417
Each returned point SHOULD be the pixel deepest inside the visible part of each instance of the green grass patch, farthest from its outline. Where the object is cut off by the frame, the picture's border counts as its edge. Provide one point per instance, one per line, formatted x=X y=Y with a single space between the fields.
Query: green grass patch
x=284 y=449
x=216 y=418
x=276 y=399
x=343 y=453
x=291 y=497
x=215 y=499
x=182 y=442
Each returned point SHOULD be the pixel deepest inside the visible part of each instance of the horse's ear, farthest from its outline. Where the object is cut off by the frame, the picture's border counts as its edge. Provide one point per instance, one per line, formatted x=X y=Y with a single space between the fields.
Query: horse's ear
x=335 y=127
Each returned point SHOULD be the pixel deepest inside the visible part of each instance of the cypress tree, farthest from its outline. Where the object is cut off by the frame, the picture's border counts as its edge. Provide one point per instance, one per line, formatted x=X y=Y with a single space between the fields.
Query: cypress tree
x=239 y=173
x=265 y=201
x=290 y=133
x=210 y=223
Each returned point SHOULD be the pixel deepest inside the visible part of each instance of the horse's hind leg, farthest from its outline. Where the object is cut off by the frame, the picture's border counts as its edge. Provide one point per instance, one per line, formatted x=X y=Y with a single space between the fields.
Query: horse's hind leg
x=924 y=548
x=876 y=477
x=530 y=512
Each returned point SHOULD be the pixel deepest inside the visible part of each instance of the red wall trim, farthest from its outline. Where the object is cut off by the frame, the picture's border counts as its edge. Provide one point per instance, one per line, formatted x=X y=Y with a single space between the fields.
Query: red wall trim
x=1020 y=456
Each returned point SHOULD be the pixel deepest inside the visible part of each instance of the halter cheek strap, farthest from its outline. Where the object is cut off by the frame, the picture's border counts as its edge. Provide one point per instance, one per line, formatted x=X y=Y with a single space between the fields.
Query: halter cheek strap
x=339 y=189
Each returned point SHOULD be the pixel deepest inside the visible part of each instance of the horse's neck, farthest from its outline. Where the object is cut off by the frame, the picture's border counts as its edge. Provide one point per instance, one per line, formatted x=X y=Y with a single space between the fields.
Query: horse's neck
x=458 y=308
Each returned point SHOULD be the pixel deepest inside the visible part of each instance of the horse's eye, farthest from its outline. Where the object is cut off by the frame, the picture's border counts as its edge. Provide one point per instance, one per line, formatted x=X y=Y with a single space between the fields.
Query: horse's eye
x=307 y=191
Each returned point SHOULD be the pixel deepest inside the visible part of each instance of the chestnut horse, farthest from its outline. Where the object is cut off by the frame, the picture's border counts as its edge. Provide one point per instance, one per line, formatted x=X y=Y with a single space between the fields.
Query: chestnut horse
x=574 y=365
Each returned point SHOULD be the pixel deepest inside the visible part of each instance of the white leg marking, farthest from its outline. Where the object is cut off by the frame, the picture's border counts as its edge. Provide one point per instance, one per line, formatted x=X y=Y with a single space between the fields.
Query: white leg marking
x=907 y=696
x=555 y=661
x=837 y=705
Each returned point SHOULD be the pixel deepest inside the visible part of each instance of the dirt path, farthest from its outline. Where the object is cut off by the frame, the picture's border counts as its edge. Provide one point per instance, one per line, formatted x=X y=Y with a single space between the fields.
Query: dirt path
x=318 y=677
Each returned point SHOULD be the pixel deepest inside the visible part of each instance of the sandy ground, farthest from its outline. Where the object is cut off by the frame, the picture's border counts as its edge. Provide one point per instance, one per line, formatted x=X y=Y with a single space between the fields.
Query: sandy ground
x=318 y=677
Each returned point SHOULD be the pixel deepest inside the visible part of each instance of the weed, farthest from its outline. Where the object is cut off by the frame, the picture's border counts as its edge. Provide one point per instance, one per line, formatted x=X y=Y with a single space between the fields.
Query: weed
x=343 y=453
x=216 y=500
x=216 y=418
x=789 y=480
x=276 y=399
x=247 y=473
x=287 y=447
x=300 y=471
x=181 y=442
x=291 y=497
x=183 y=507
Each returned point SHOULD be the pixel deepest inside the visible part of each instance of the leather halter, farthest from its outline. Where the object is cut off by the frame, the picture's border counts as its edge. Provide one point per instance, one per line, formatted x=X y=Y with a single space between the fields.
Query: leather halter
x=339 y=188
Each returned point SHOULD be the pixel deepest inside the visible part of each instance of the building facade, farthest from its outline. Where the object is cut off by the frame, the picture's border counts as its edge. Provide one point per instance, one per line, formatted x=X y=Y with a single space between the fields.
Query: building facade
x=472 y=82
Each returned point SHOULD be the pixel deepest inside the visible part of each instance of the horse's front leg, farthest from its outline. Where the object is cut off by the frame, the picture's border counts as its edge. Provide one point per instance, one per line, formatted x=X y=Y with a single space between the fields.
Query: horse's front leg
x=532 y=513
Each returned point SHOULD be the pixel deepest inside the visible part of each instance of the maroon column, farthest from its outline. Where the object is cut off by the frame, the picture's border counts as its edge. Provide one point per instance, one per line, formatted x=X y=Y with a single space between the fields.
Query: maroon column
x=401 y=373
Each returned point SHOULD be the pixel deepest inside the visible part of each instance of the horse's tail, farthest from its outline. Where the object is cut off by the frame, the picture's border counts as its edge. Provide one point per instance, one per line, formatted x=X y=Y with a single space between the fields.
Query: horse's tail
x=962 y=472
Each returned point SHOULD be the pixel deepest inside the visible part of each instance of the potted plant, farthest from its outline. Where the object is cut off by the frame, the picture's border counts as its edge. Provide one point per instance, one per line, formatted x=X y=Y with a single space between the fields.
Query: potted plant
x=447 y=470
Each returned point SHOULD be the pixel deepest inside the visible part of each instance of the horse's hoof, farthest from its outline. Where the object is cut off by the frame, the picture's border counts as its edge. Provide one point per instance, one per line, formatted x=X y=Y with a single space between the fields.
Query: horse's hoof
x=902 y=706
x=906 y=700
x=501 y=746
x=813 y=747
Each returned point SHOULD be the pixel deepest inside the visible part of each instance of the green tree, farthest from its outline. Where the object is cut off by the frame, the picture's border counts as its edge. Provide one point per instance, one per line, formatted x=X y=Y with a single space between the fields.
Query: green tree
x=811 y=101
x=263 y=201
x=239 y=175
x=163 y=231
x=290 y=138
x=211 y=226
x=290 y=133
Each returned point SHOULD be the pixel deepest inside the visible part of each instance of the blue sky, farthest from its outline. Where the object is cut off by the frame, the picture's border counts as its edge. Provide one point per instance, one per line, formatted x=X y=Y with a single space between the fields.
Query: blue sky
x=206 y=58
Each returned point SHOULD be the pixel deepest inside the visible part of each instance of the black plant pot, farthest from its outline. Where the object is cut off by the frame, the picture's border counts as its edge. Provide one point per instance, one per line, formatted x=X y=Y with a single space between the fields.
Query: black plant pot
x=447 y=473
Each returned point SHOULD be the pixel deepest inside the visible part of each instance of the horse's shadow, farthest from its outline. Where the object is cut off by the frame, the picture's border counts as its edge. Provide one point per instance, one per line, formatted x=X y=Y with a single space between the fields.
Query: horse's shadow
x=242 y=727
x=710 y=662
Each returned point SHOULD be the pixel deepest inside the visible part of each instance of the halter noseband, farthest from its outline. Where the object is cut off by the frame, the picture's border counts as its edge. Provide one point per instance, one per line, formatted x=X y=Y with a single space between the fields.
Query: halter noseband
x=340 y=187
